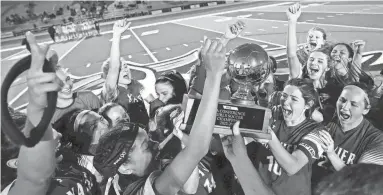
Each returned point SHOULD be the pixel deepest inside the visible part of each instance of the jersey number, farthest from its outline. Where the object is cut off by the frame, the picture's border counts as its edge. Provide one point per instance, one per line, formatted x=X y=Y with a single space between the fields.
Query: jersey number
x=274 y=166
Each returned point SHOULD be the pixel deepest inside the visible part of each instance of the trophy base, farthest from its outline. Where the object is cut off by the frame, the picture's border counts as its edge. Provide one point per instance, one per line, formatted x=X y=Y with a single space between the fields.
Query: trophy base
x=244 y=132
x=238 y=101
x=254 y=119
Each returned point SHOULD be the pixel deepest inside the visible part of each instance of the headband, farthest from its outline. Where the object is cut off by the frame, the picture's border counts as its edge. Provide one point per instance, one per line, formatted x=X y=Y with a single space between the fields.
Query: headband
x=364 y=94
x=79 y=119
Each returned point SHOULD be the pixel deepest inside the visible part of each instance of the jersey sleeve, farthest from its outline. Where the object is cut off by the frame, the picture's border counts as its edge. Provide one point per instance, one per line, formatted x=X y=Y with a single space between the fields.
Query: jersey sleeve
x=310 y=145
x=374 y=152
x=148 y=188
x=92 y=100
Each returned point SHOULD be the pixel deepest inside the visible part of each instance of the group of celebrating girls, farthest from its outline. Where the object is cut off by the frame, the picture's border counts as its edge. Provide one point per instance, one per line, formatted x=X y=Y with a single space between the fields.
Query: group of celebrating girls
x=132 y=140
x=70 y=31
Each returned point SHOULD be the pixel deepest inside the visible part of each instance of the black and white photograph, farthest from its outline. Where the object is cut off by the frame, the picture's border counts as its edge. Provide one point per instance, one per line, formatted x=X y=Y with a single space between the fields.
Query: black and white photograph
x=229 y=97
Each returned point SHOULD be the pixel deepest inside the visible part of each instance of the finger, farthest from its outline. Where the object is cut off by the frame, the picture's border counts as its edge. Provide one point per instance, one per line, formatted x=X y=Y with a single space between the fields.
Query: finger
x=213 y=46
x=236 y=130
x=45 y=48
x=42 y=78
x=219 y=48
x=206 y=46
x=46 y=87
x=325 y=138
x=324 y=147
x=294 y=7
x=32 y=41
x=128 y=25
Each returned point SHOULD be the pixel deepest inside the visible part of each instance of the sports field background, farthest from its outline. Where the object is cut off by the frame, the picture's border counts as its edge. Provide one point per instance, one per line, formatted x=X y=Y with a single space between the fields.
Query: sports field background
x=158 y=39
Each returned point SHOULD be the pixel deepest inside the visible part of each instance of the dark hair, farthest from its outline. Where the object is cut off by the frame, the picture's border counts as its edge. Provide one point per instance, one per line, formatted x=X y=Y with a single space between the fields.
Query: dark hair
x=103 y=111
x=349 y=48
x=178 y=83
x=80 y=139
x=360 y=75
x=306 y=87
x=358 y=179
x=111 y=145
x=320 y=30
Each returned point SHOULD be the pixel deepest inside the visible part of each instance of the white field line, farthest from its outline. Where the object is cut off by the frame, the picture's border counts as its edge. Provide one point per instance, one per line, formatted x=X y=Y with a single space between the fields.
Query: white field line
x=205 y=29
x=334 y=25
x=144 y=46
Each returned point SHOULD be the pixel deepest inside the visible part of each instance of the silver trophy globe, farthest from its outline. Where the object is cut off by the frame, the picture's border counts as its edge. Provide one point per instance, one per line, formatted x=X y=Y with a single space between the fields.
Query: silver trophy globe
x=248 y=65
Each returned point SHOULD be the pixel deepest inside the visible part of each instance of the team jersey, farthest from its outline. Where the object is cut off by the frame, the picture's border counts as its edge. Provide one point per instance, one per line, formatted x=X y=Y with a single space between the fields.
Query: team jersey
x=69 y=180
x=82 y=100
x=130 y=98
x=292 y=138
x=364 y=144
x=132 y=185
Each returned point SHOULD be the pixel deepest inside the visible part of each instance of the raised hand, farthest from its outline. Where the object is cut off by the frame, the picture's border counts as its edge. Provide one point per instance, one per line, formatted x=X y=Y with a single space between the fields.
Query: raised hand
x=328 y=142
x=121 y=26
x=213 y=56
x=39 y=83
x=294 y=12
x=358 y=46
x=234 y=30
x=234 y=145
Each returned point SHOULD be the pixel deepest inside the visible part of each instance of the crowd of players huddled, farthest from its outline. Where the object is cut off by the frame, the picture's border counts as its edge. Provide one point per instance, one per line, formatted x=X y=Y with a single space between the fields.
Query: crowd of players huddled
x=326 y=127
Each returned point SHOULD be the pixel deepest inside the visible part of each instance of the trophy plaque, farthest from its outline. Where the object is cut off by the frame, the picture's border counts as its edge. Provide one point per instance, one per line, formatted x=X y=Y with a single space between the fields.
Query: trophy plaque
x=247 y=65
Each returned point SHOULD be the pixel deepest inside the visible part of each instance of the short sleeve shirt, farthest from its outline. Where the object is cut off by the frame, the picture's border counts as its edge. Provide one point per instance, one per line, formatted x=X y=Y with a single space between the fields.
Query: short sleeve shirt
x=130 y=98
x=71 y=180
x=361 y=144
x=291 y=138
x=86 y=100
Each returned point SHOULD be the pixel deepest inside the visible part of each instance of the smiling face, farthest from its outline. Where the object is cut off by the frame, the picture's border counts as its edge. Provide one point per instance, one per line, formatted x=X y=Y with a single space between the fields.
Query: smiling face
x=317 y=65
x=340 y=57
x=293 y=104
x=66 y=92
x=314 y=38
x=351 y=106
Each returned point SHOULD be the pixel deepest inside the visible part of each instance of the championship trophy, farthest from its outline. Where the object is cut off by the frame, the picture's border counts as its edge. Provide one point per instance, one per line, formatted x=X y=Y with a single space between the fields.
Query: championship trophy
x=247 y=65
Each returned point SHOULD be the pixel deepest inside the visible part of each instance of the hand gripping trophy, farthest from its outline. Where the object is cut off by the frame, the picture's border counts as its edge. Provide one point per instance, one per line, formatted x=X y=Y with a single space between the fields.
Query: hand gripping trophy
x=247 y=65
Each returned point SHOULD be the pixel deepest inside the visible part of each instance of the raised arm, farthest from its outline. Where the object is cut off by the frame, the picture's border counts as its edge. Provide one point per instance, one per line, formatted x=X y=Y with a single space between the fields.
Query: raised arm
x=356 y=66
x=231 y=32
x=293 y=13
x=36 y=165
x=235 y=151
x=177 y=173
x=115 y=63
